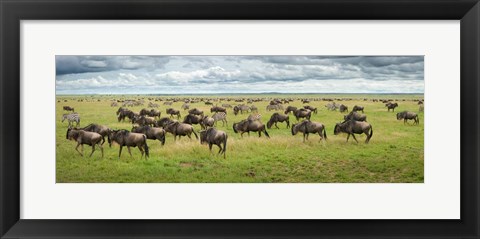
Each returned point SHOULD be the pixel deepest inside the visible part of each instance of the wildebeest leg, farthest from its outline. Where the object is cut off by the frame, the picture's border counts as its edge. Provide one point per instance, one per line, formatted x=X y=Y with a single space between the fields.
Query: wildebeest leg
x=348 y=137
x=303 y=137
x=101 y=149
x=404 y=120
x=220 y=150
x=210 y=147
x=320 y=133
x=129 y=151
x=93 y=150
x=120 y=152
x=354 y=138
x=141 y=151
x=259 y=134
x=189 y=136
x=76 y=148
x=276 y=125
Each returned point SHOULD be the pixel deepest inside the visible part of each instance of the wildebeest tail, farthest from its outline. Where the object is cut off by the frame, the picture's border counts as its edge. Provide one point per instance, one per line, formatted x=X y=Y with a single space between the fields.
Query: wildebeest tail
x=196 y=136
x=371 y=132
x=146 y=146
x=266 y=133
x=225 y=146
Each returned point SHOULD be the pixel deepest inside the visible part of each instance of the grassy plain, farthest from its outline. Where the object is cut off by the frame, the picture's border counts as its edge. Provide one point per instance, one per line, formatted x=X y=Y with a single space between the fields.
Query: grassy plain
x=394 y=154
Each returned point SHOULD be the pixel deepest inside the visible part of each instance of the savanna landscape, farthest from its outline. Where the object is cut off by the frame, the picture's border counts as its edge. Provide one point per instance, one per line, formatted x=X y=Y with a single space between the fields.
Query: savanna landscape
x=394 y=153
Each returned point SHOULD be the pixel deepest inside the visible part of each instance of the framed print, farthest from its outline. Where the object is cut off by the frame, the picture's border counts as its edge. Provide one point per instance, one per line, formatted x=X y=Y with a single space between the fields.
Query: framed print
x=239 y=119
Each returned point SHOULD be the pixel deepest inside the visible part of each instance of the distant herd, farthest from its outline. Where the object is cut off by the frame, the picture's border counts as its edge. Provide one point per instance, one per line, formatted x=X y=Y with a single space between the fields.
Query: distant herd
x=150 y=125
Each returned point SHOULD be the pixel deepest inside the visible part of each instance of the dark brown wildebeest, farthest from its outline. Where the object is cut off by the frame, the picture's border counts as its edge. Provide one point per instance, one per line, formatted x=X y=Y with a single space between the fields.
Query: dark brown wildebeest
x=213 y=136
x=180 y=129
x=68 y=108
x=151 y=133
x=207 y=122
x=84 y=137
x=305 y=101
x=245 y=126
x=196 y=111
x=144 y=112
x=355 y=116
x=218 y=109
x=302 y=113
x=407 y=115
x=308 y=127
x=154 y=113
x=277 y=117
x=173 y=112
x=192 y=119
x=100 y=129
x=357 y=108
x=352 y=127
x=290 y=109
x=311 y=108
x=163 y=122
x=144 y=121
x=343 y=108
x=390 y=106
x=125 y=138
x=240 y=108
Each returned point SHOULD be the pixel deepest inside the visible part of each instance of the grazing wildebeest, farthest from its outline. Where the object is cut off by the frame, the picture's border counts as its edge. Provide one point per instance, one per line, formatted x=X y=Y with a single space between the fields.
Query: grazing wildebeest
x=355 y=116
x=220 y=116
x=290 y=109
x=84 y=137
x=72 y=117
x=164 y=121
x=185 y=106
x=144 y=112
x=213 y=136
x=240 y=108
x=173 y=112
x=277 y=117
x=207 y=122
x=154 y=113
x=68 y=108
x=311 y=108
x=307 y=127
x=253 y=117
x=302 y=113
x=408 y=115
x=144 y=120
x=357 y=108
x=343 y=108
x=100 y=129
x=192 y=119
x=391 y=106
x=196 y=111
x=352 y=127
x=305 y=101
x=151 y=133
x=125 y=138
x=218 y=109
x=248 y=125
x=180 y=129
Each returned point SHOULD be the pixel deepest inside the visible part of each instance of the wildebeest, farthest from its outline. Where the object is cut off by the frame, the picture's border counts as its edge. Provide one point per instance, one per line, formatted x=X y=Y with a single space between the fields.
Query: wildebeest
x=407 y=115
x=180 y=129
x=218 y=109
x=220 y=116
x=311 y=108
x=144 y=120
x=352 y=127
x=331 y=106
x=154 y=113
x=391 y=106
x=151 y=132
x=196 y=111
x=290 y=109
x=144 y=112
x=173 y=112
x=275 y=107
x=213 y=136
x=302 y=113
x=68 y=108
x=227 y=105
x=245 y=126
x=240 y=108
x=100 y=129
x=253 y=108
x=72 y=117
x=307 y=127
x=254 y=117
x=357 y=108
x=277 y=117
x=207 y=122
x=164 y=121
x=84 y=137
x=343 y=108
x=185 y=106
x=192 y=119
x=421 y=108
x=114 y=104
x=355 y=116
x=125 y=138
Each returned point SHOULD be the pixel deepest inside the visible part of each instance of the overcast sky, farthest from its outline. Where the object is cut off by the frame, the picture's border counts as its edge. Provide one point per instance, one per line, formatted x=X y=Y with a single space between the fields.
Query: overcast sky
x=238 y=74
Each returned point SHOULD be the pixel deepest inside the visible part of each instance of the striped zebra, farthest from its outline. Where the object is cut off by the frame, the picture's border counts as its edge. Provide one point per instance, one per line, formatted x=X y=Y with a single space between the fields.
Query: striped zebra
x=220 y=116
x=254 y=117
x=73 y=117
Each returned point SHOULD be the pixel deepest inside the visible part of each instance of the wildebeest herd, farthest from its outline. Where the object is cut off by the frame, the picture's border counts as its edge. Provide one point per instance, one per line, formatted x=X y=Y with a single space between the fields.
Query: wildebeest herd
x=148 y=123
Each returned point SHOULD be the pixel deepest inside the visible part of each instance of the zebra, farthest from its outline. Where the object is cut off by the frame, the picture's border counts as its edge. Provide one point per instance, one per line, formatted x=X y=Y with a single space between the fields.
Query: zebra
x=73 y=117
x=220 y=116
x=254 y=117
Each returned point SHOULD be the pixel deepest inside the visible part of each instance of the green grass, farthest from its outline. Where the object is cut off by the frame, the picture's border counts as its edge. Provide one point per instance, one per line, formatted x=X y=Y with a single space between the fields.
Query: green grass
x=394 y=154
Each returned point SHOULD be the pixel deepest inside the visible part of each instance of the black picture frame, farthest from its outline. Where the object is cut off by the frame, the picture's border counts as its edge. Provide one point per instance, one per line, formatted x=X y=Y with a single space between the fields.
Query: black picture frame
x=13 y=11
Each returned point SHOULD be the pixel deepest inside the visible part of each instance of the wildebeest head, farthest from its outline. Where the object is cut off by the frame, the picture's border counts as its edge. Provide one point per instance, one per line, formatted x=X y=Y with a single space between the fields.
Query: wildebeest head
x=235 y=127
x=337 y=129
x=203 y=136
x=294 y=129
